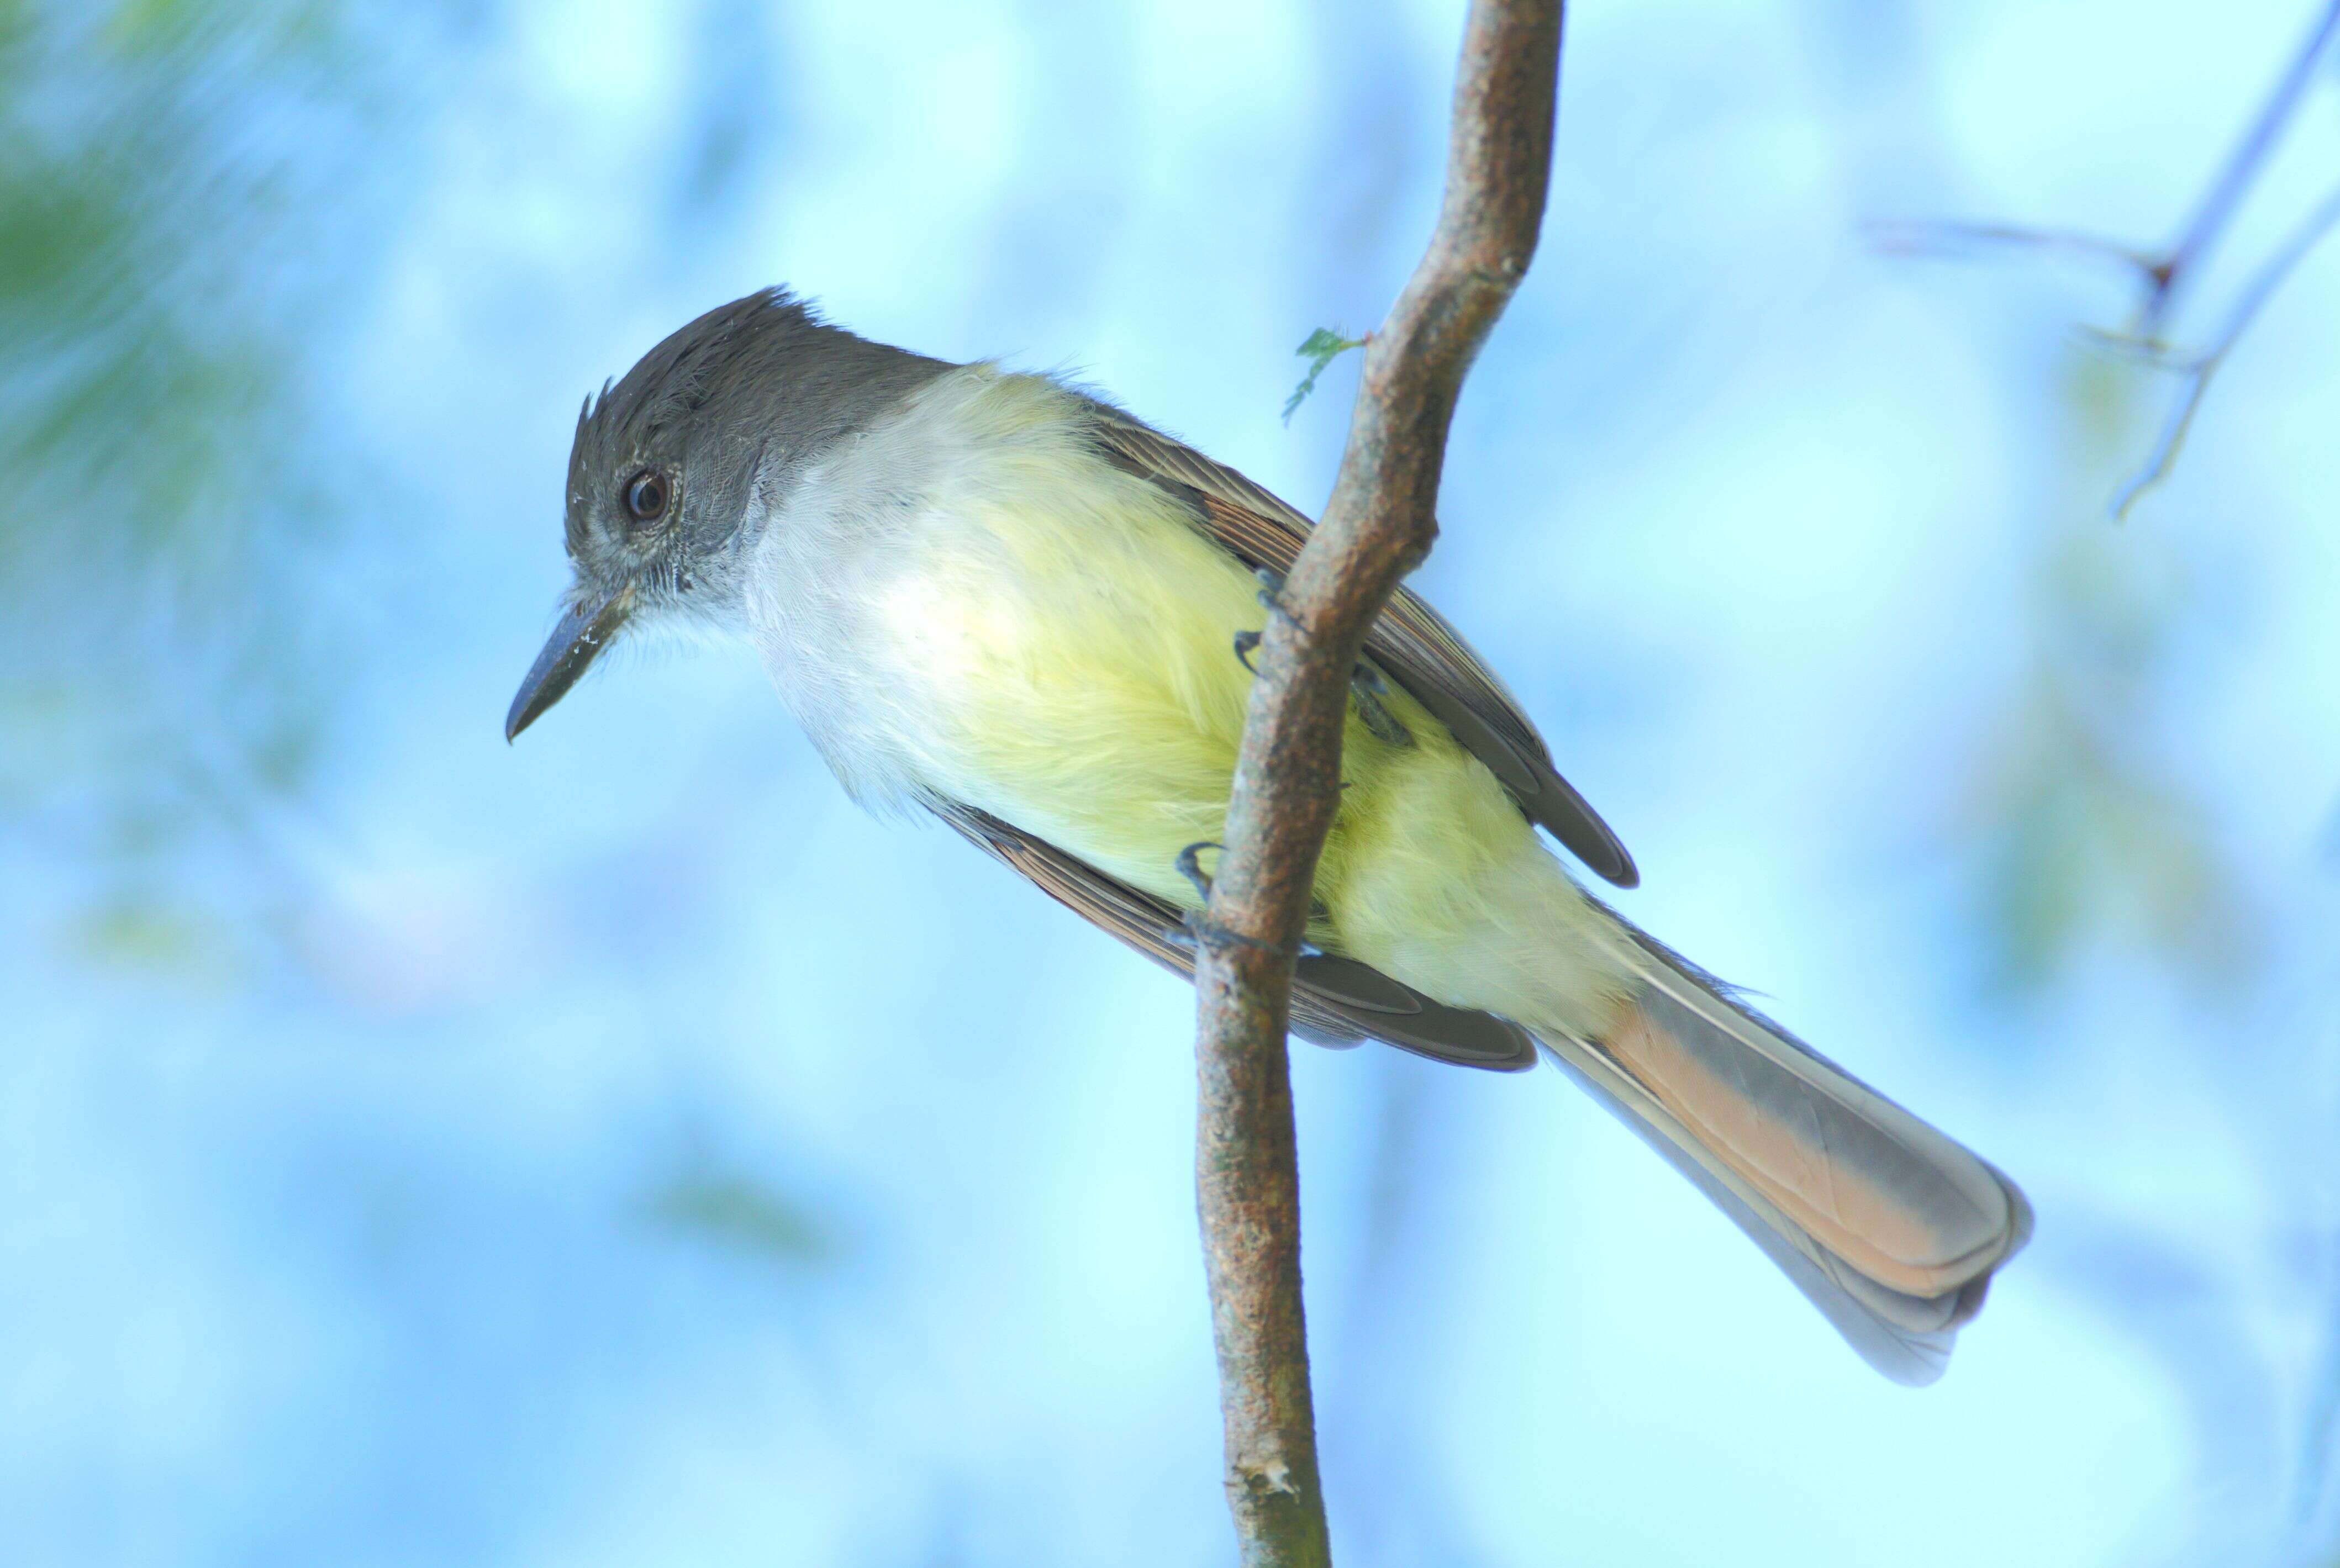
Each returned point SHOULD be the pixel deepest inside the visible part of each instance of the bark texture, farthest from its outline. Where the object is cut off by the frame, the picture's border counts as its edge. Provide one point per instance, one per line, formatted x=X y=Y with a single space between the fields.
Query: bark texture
x=1378 y=526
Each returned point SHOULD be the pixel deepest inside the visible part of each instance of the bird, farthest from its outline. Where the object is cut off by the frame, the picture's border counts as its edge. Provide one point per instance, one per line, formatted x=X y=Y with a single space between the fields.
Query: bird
x=1000 y=598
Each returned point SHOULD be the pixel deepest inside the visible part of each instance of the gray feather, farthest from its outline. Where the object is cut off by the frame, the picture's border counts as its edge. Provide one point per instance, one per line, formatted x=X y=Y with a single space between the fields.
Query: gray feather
x=1866 y=1156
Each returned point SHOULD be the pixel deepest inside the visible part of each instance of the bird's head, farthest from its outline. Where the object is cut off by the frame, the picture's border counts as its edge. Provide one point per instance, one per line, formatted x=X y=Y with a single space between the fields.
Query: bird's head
x=674 y=466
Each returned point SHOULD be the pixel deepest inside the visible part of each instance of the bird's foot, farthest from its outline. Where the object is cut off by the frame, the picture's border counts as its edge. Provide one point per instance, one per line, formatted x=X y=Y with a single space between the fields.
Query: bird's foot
x=1369 y=687
x=1190 y=866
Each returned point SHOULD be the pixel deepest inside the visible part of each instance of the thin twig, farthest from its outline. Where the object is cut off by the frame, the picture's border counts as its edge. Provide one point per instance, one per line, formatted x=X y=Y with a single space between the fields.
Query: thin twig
x=2225 y=193
x=2164 y=273
x=1378 y=525
x=1919 y=237
x=2197 y=370
x=2161 y=271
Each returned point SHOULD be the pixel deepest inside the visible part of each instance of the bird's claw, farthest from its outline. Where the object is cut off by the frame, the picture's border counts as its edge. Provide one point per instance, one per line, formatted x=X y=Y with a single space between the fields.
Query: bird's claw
x=1190 y=866
x=1366 y=682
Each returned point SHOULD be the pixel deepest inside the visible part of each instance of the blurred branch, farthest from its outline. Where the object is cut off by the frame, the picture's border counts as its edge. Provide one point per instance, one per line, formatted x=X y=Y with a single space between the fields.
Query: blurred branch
x=2166 y=272
x=2198 y=370
x=1378 y=526
x=2234 y=181
x=1921 y=237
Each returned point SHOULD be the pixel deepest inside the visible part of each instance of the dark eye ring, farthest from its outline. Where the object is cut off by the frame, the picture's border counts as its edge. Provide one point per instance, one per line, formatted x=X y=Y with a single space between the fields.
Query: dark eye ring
x=646 y=496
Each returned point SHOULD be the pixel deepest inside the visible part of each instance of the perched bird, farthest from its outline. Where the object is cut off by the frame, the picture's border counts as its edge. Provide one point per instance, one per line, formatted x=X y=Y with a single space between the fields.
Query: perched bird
x=999 y=598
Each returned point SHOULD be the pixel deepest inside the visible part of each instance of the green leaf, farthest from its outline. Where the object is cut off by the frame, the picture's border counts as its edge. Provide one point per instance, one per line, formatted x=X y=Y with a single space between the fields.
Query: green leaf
x=742 y=1212
x=1321 y=348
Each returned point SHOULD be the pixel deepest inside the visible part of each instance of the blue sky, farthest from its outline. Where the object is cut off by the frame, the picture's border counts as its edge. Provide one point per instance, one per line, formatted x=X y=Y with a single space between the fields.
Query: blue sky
x=617 y=1148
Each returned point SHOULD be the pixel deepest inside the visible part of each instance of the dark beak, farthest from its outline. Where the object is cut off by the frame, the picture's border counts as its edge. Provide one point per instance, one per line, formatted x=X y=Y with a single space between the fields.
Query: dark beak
x=581 y=635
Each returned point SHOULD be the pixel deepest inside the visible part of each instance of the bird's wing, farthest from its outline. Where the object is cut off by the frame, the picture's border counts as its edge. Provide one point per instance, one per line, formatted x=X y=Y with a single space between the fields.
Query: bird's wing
x=1335 y=1001
x=1409 y=639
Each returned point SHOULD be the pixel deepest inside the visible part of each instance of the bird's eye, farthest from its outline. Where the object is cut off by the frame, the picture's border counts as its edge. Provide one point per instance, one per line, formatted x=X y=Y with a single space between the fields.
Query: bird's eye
x=646 y=496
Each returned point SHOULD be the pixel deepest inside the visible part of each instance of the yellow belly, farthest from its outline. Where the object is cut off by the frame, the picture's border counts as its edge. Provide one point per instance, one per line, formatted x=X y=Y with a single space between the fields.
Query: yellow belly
x=1074 y=636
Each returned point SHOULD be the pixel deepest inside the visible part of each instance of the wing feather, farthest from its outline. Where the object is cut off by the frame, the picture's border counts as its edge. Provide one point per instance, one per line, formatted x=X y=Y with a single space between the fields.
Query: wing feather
x=1409 y=639
x=1335 y=1001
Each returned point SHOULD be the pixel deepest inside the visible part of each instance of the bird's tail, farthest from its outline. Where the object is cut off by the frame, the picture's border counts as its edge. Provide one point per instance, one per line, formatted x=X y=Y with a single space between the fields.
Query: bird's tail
x=1890 y=1227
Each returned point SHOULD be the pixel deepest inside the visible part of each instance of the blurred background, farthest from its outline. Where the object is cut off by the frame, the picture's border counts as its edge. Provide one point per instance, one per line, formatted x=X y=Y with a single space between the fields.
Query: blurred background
x=616 y=1149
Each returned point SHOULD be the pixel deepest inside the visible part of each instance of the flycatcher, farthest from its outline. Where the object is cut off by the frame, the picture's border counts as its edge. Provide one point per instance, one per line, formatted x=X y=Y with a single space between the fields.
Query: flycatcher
x=999 y=598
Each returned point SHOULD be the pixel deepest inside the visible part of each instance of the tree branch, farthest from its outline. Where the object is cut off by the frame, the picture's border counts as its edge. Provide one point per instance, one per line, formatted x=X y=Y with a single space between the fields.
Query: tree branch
x=2166 y=272
x=1377 y=527
x=2177 y=265
x=2195 y=373
x=2163 y=273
